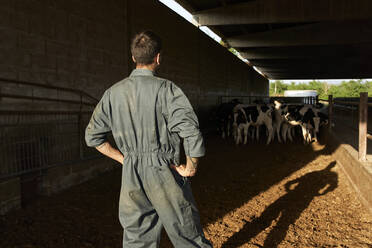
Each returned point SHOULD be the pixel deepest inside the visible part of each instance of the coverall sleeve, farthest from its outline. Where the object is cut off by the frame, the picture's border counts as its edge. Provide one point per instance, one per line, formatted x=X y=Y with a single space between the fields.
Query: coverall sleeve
x=183 y=120
x=100 y=123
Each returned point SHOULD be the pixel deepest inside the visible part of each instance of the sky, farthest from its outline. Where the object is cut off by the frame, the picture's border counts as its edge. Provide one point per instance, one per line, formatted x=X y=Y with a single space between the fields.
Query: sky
x=188 y=16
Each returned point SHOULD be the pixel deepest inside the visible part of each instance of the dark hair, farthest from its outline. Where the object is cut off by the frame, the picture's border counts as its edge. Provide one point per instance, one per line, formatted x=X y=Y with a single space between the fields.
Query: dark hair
x=145 y=46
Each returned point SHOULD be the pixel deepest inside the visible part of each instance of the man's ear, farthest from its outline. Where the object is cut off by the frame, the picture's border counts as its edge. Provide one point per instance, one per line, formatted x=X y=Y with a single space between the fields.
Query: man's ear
x=158 y=58
x=134 y=60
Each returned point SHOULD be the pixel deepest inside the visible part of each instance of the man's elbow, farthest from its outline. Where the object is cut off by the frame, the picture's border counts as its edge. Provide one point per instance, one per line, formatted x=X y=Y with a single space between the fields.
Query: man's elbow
x=94 y=141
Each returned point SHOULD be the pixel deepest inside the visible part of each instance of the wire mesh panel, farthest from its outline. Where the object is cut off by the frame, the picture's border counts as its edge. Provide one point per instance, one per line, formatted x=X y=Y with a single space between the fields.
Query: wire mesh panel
x=33 y=141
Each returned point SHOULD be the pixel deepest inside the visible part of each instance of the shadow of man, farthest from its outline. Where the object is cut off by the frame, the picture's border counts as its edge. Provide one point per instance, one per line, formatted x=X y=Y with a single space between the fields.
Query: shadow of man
x=287 y=209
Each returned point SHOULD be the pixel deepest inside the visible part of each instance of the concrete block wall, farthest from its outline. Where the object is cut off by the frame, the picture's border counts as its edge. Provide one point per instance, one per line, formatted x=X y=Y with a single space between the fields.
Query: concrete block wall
x=359 y=174
x=85 y=45
x=74 y=44
x=59 y=178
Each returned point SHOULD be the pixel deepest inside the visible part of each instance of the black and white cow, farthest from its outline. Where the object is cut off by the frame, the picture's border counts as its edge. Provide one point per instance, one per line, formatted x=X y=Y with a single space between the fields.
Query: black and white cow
x=278 y=118
x=224 y=117
x=308 y=117
x=246 y=116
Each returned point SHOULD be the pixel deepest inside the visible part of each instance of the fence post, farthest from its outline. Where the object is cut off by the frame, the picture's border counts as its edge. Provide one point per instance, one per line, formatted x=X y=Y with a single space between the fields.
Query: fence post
x=330 y=111
x=363 y=115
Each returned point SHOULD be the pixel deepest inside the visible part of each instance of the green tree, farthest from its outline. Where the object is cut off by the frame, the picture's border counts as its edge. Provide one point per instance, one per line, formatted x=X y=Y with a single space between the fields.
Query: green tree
x=350 y=88
x=277 y=88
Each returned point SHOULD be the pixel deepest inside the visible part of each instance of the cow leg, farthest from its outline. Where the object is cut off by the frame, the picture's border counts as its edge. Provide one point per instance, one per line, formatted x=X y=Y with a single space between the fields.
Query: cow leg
x=228 y=128
x=284 y=132
x=239 y=134
x=270 y=136
x=235 y=131
x=304 y=134
x=315 y=136
x=257 y=132
x=290 y=129
x=274 y=129
x=278 y=132
x=293 y=131
x=309 y=137
x=252 y=132
x=246 y=127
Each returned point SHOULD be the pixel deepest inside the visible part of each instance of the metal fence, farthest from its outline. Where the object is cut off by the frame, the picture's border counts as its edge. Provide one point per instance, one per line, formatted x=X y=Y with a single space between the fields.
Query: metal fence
x=269 y=99
x=349 y=121
x=32 y=141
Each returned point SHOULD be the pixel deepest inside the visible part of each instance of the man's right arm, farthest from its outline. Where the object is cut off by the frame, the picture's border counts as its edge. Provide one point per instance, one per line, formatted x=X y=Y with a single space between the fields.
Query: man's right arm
x=182 y=120
x=188 y=170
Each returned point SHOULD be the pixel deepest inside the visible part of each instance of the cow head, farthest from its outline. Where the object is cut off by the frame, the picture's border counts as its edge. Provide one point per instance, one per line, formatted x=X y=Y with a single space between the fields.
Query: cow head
x=277 y=104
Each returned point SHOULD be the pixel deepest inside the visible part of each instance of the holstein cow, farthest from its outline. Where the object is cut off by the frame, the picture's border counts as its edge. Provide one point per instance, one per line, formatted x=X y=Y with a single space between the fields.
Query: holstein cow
x=225 y=117
x=252 y=115
x=308 y=117
x=278 y=118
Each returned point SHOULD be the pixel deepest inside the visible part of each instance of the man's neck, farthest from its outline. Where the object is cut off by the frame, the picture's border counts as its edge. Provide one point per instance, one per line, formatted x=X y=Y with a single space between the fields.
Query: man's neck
x=150 y=67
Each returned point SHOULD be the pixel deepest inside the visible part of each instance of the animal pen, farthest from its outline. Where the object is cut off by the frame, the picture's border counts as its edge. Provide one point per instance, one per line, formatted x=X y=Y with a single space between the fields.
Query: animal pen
x=33 y=140
x=349 y=119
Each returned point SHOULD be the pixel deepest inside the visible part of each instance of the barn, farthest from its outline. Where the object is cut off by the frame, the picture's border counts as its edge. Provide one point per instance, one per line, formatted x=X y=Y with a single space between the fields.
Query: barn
x=59 y=57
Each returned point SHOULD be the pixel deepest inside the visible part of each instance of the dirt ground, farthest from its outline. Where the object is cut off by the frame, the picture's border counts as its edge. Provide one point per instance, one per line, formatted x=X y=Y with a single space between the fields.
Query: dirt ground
x=278 y=195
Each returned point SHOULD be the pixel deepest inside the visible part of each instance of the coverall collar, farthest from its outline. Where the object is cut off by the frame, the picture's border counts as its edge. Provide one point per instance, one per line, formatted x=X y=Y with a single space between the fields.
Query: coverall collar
x=141 y=72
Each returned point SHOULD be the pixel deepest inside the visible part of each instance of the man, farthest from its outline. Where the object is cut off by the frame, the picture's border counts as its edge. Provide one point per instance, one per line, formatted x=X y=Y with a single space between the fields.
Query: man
x=147 y=115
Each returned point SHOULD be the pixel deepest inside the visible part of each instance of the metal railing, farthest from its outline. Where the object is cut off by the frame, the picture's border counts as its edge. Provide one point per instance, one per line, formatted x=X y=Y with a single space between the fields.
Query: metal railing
x=35 y=140
x=81 y=94
x=352 y=115
x=269 y=99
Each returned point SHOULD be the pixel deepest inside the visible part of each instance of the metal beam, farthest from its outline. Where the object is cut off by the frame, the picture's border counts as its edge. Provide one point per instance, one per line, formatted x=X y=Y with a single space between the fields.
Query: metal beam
x=186 y=5
x=344 y=72
x=309 y=64
x=330 y=68
x=286 y=11
x=333 y=33
x=306 y=52
x=277 y=76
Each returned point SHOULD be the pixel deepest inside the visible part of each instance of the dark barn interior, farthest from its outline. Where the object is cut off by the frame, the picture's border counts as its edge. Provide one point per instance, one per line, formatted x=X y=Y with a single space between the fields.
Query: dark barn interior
x=57 y=57
x=294 y=39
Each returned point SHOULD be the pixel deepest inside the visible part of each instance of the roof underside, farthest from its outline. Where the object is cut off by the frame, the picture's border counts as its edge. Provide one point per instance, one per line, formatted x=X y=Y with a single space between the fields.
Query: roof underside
x=302 y=39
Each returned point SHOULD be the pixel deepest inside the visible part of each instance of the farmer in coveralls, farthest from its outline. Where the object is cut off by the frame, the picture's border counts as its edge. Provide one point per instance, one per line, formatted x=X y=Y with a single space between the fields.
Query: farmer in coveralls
x=147 y=116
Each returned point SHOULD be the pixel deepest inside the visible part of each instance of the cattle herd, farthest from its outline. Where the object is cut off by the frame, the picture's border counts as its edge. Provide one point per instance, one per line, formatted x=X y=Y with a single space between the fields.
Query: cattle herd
x=281 y=121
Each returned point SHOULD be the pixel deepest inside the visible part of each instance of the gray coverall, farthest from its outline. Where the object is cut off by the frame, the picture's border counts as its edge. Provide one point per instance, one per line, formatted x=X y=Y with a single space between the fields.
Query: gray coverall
x=147 y=115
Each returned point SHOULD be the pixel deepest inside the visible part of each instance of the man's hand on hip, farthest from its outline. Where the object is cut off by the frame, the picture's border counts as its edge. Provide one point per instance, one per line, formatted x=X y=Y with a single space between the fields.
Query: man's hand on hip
x=188 y=170
x=107 y=150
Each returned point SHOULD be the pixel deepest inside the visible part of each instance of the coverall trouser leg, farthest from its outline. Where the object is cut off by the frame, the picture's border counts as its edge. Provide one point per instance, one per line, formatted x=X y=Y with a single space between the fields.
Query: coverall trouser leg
x=153 y=197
